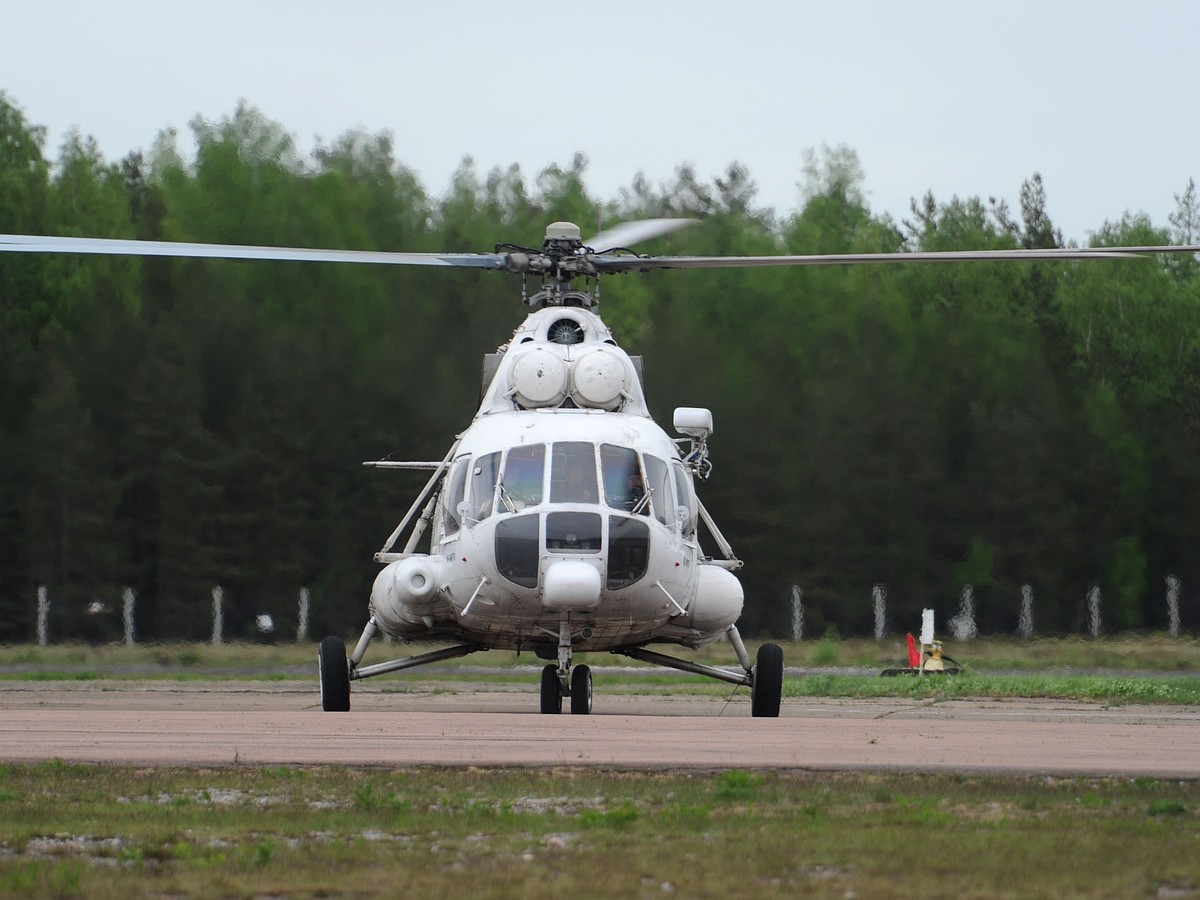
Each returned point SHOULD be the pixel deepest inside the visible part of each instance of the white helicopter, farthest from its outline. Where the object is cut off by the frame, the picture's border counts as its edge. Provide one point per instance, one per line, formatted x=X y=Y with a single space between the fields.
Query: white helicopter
x=563 y=519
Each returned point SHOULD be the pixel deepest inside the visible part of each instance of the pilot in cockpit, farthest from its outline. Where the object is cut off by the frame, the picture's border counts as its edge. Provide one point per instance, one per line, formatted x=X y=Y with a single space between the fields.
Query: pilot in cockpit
x=581 y=484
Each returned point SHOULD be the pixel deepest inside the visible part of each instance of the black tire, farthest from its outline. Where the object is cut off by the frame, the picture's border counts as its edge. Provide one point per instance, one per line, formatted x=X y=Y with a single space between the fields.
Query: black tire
x=581 y=691
x=767 y=691
x=551 y=691
x=335 y=675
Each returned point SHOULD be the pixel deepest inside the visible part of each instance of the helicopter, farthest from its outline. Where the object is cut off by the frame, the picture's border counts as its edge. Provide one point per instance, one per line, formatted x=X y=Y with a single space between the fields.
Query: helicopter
x=563 y=519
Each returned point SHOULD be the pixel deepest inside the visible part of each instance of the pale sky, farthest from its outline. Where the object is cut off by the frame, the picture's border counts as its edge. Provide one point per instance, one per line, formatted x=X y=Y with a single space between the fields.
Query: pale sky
x=966 y=98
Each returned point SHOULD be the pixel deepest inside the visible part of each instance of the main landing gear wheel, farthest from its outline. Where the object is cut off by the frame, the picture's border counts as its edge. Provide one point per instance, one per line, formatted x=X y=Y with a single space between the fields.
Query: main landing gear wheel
x=551 y=691
x=767 y=690
x=581 y=691
x=335 y=675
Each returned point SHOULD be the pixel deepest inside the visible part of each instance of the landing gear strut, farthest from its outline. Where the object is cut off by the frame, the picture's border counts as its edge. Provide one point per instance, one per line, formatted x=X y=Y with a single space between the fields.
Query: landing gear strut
x=765 y=678
x=337 y=671
x=560 y=681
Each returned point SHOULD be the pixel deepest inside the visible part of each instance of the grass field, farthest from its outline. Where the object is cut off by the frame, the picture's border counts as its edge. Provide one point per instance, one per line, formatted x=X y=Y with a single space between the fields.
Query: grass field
x=1137 y=669
x=1149 y=653
x=109 y=832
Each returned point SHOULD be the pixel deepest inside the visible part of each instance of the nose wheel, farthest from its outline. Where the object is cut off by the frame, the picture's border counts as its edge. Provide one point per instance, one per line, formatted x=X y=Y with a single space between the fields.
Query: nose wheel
x=581 y=691
x=552 y=692
x=563 y=681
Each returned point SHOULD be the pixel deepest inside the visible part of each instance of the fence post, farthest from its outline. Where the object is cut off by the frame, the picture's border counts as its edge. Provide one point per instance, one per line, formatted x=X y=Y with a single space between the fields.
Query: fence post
x=879 y=596
x=1025 y=622
x=1093 y=606
x=302 y=628
x=1173 y=605
x=127 y=601
x=218 y=632
x=43 y=616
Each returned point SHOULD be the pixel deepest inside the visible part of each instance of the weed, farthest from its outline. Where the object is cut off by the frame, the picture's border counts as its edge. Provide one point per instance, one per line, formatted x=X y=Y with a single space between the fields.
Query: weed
x=364 y=797
x=131 y=855
x=23 y=880
x=825 y=653
x=1092 y=800
x=258 y=855
x=620 y=817
x=687 y=815
x=737 y=785
x=1166 y=808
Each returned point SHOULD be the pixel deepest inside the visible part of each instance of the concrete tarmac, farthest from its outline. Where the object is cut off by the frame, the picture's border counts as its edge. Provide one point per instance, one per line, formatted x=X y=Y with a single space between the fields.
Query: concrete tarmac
x=159 y=723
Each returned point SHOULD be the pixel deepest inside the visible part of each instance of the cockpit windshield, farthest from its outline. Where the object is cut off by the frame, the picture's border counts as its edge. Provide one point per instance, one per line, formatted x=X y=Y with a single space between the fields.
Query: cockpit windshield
x=624 y=480
x=624 y=487
x=521 y=485
x=573 y=473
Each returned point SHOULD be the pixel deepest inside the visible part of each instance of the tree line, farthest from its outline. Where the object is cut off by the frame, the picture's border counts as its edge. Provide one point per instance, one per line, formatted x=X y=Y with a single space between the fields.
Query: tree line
x=169 y=424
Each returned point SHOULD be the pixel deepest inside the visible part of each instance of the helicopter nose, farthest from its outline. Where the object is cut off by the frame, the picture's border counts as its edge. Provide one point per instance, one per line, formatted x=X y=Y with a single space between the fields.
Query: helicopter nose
x=571 y=585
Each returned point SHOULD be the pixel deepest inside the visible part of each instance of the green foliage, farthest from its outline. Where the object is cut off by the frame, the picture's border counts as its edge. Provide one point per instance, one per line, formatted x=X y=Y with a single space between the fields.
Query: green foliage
x=738 y=786
x=619 y=817
x=977 y=569
x=1165 y=807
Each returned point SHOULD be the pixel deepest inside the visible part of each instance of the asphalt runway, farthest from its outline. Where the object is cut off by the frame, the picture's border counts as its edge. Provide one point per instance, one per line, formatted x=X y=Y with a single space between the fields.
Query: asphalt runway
x=160 y=723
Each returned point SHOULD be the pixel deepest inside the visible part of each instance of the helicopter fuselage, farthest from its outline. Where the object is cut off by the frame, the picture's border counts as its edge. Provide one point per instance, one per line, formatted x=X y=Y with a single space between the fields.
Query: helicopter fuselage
x=563 y=503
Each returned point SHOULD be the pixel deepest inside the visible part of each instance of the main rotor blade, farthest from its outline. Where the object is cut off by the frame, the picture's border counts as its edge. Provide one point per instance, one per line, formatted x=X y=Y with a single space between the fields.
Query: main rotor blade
x=626 y=234
x=29 y=243
x=638 y=264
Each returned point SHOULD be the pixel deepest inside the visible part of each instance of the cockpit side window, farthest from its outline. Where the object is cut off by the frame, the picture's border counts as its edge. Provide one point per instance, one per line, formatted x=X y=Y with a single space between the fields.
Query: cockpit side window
x=484 y=476
x=624 y=487
x=685 y=497
x=573 y=473
x=659 y=479
x=521 y=485
x=452 y=494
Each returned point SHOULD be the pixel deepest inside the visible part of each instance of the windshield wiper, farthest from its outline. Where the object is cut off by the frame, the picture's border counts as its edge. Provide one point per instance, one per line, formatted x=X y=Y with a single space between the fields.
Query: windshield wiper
x=641 y=504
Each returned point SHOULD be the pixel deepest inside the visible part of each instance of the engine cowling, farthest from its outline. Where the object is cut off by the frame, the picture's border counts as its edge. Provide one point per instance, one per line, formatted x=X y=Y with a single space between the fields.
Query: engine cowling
x=600 y=378
x=538 y=377
x=718 y=601
x=404 y=593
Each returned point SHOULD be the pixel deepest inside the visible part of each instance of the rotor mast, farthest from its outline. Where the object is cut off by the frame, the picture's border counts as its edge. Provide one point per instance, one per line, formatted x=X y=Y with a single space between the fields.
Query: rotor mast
x=563 y=258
